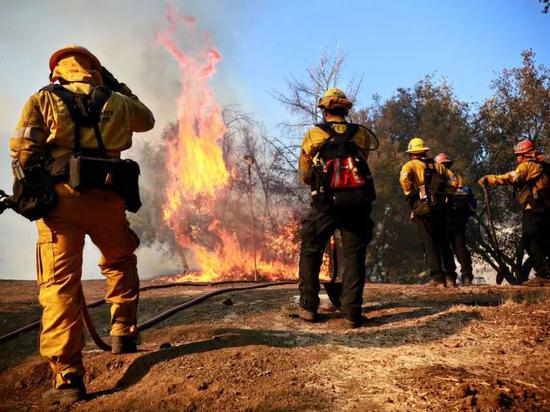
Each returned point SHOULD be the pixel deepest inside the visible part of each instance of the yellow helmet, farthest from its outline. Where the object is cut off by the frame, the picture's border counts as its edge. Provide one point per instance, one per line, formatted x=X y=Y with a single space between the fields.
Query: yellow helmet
x=334 y=98
x=417 y=145
x=73 y=49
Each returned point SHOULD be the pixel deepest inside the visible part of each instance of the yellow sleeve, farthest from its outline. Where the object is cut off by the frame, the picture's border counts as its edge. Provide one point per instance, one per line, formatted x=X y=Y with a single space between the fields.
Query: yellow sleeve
x=453 y=180
x=305 y=161
x=406 y=179
x=519 y=175
x=142 y=118
x=31 y=132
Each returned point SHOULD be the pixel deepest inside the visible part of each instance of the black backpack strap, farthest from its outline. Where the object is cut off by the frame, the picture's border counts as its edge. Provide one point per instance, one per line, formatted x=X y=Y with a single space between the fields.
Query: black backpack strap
x=348 y=134
x=68 y=98
x=545 y=167
x=85 y=110
x=430 y=164
x=339 y=139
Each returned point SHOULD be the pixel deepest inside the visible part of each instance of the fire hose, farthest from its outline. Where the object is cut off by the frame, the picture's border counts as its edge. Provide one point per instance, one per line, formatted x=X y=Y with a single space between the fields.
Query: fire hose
x=91 y=329
x=160 y=317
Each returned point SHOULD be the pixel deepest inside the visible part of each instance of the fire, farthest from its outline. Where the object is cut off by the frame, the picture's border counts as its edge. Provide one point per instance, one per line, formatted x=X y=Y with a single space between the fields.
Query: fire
x=198 y=176
x=195 y=161
x=228 y=260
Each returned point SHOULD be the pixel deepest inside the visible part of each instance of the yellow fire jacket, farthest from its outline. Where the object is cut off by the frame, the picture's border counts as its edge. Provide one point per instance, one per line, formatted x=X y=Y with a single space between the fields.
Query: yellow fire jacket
x=46 y=126
x=527 y=178
x=314 y=138
x=412 y=176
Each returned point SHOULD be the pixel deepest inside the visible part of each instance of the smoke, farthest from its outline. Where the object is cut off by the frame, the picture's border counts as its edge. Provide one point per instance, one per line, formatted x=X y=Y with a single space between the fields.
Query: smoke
x=122 y=35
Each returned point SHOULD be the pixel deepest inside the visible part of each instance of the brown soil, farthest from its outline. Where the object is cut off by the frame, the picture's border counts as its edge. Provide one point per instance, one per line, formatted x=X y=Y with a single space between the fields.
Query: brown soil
x=472 y=349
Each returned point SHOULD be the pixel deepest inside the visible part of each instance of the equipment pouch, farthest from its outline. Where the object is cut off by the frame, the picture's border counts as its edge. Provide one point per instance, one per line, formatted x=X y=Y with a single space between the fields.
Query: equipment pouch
x=34 y=193
x=421 y=208
x=119 y=175
x=126 y=183
x=320 y=198
x=357 y=197
x=345 y=173
x=350 y=198
x=352 y=187
x=90 y=172
x=59 y=168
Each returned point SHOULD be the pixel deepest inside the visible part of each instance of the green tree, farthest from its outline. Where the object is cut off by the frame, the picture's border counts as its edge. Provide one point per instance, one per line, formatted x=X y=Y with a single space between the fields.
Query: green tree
x=518 y=109
x=430 y=110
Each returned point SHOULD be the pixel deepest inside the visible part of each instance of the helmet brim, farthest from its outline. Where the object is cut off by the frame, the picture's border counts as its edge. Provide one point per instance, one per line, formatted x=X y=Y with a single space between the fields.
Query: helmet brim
x=418 y=150
x=58 y=55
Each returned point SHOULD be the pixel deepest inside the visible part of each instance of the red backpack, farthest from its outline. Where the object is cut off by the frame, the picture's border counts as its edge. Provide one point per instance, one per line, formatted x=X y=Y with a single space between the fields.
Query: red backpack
x=346 y=176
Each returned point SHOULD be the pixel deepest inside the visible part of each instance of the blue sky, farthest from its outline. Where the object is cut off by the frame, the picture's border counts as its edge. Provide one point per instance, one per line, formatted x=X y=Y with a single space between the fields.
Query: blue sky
x=391 y=43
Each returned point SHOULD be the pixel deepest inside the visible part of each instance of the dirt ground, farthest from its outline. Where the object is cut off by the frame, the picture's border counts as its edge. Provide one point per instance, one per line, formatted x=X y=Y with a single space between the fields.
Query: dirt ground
x=474 y=349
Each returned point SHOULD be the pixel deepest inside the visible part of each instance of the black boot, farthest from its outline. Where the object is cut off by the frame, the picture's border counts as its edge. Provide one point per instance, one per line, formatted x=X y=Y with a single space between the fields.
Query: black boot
x=123 y=344
x=450 y=281
x=467 y=280
x=296 y=311
x=355 y=322
x=437 y=280
x=73 y=390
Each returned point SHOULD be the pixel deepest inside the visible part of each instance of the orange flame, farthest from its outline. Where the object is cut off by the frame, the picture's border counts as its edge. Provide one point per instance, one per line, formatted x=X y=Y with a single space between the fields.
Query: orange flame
x=198 y=176
x=195 y=161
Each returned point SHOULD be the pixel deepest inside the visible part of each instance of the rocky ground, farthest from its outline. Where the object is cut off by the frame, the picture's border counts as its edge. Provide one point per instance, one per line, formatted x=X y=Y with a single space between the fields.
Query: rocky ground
x=482 y=348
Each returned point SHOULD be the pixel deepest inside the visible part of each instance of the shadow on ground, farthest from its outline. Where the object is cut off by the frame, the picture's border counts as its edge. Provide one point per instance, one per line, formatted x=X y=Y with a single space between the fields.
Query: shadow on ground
x=436 y=328
x=247 y=305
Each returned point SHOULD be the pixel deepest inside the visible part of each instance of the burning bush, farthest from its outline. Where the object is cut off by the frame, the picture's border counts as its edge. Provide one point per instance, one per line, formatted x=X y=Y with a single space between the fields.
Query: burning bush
x=201 y=195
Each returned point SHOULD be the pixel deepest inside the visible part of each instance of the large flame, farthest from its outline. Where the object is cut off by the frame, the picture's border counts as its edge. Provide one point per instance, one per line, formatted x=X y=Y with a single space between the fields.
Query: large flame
x=195 y=161
x=197 y=174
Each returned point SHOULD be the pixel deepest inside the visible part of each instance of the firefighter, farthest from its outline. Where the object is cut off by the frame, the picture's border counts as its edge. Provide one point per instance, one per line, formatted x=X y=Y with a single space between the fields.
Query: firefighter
x=531 y=180
x=461 y=207
x=335 y=206
x=46 y=128
x=425 y=184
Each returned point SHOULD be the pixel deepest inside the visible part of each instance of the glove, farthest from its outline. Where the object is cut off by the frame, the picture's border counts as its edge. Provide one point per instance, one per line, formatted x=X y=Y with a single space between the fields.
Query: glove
x=110 y=81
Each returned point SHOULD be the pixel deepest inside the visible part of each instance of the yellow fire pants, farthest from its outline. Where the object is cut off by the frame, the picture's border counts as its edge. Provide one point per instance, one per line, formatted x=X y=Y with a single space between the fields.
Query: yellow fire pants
x=99 y=214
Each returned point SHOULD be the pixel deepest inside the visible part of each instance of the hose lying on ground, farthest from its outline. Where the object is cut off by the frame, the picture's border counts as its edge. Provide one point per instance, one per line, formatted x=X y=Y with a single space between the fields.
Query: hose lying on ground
x=147 y=324
x=36 y=324
x=166 y=314
x=160 y=317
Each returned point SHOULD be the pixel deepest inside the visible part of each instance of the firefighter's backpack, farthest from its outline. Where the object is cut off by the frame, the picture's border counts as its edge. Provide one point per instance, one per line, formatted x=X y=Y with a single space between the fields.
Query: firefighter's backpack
x=345 y=176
